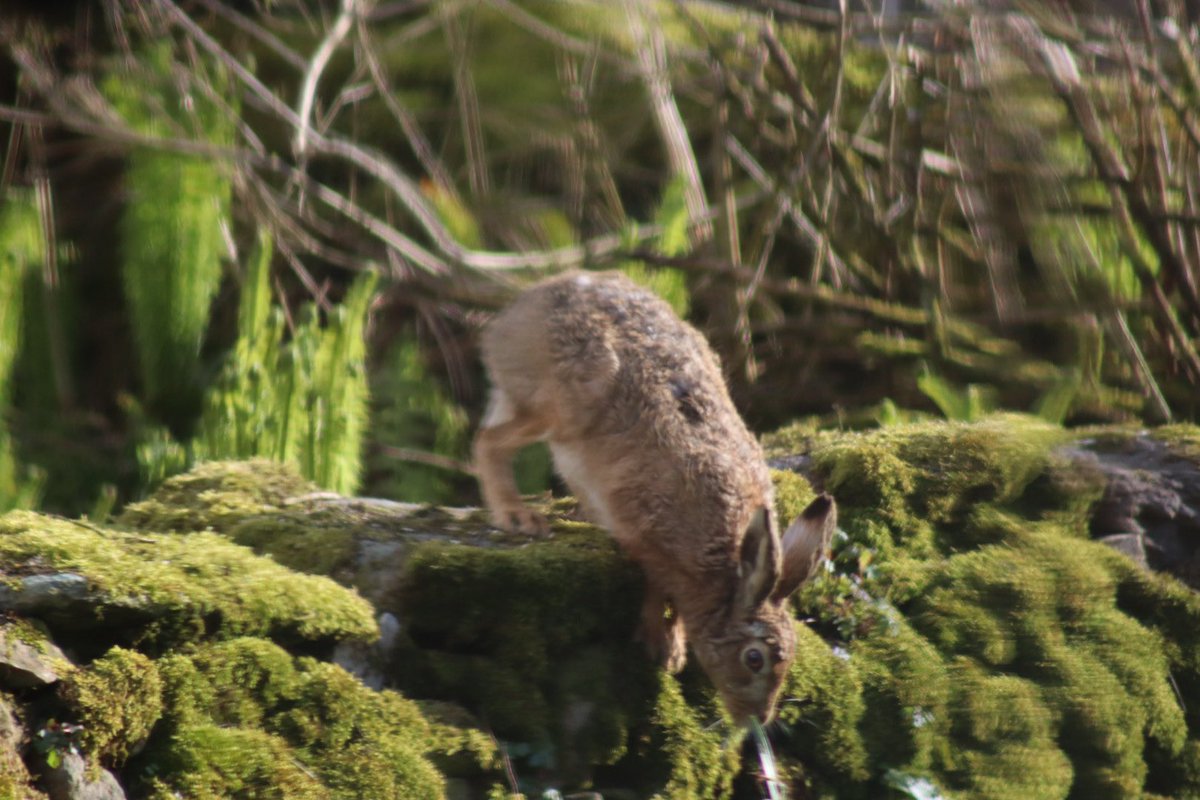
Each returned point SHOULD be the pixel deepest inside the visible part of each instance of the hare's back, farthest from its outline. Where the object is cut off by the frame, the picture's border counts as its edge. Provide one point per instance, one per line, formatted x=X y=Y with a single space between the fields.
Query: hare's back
x=605 y=321
x=637 y=358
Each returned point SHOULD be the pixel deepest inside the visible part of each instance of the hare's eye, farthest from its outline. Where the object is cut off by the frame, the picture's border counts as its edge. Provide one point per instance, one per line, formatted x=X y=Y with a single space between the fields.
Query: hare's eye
x=753 y=659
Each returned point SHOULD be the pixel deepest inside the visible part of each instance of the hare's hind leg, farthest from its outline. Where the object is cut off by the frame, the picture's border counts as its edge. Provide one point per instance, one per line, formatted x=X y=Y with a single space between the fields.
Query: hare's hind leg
x=504 y=431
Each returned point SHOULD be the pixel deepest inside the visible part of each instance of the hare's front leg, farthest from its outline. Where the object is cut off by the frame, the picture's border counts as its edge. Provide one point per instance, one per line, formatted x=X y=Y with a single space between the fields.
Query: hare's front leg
x=662 y=632
x=505 y=430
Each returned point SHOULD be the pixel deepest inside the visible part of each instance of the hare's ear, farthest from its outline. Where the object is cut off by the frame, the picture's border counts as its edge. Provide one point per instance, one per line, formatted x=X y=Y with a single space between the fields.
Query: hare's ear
x=805 y=542
x=760 y=561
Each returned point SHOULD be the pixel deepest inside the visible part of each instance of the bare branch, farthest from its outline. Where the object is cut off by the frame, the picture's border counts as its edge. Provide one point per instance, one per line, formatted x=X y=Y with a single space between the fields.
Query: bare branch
x=652 y=60
x=428 y=459
x=308 y=90
x=408 y=124
x=249 y=26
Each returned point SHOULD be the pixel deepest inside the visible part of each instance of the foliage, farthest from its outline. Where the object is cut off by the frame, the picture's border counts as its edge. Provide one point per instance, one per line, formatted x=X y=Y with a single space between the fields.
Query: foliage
x=299 y=400
x=849 y=218
x=297 y=397
x=171 y=229
x=413 y=412
x=960 y=210
x=54 y=740
x=967 y=639
x=21 y=252
x=673 y=240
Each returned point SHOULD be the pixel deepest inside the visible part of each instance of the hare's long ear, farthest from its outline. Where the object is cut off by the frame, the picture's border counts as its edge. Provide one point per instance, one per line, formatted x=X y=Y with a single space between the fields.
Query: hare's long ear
x=760 y=561
x=805 y=542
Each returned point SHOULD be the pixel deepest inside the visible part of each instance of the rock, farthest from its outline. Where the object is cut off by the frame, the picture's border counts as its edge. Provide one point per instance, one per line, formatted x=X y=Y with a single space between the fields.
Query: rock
x=15 y=781
x=1150 y=506
x=364 y=661
x=1131 y=544
x=70 y=781
x=27 y=658
x=50 y=593
x=11 y=732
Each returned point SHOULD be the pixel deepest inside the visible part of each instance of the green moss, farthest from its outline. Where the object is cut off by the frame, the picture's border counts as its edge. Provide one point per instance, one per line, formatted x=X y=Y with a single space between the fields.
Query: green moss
x=232 y=683
x=975 y=636
x=117 y=698
x=702 y=760
x=824 y=706
x=792 y=494
x=991 y=645
x=1004 y=735
x=15 y=781
x=360 y=742
x=26 y=631
x=1183 y=439
x=906 y=688
x=301 y=542
x=1045 y=665
x=457 y=745
x=174 y=587
x=347 y=741
x=216 y=495
x=920 y=480
x=512 y=632
x=210 y=762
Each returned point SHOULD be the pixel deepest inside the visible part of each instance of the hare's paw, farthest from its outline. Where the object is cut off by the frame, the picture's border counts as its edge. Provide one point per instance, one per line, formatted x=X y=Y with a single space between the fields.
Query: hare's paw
x=522 y=520
x=675 y=654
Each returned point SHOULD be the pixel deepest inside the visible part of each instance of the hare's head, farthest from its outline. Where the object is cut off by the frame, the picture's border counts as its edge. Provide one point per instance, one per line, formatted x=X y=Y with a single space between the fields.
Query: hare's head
x=747 y=653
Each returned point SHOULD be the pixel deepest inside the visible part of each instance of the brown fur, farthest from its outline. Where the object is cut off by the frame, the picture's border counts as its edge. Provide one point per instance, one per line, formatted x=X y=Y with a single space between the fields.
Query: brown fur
x=634 y=407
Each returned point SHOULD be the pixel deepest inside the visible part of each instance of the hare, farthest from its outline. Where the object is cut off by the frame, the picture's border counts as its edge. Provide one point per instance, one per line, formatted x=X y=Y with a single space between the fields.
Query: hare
x=635 y=410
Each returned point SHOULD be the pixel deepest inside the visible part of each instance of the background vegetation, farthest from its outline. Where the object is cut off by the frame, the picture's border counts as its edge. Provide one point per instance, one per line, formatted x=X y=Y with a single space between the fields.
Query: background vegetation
x=874 y=214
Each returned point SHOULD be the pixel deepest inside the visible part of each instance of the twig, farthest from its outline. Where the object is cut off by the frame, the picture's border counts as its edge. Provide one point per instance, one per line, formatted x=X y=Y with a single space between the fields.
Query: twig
x=1128 y=204
x=652 y=60
x=560 y=39
x=816 y=238
x=408 y=123
x=403 y=187
x=308 y=89
x=793 y=287
x=468 y=100
x=426 y=458
x=247 y=25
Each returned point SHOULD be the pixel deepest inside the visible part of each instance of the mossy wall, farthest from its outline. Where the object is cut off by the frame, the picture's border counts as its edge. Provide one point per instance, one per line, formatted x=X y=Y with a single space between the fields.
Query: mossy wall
x=204 y=668
x=968 y=633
